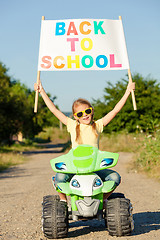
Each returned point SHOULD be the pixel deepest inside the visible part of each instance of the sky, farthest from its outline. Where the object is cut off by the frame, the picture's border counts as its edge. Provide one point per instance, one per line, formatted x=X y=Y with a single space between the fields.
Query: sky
x=20 y=23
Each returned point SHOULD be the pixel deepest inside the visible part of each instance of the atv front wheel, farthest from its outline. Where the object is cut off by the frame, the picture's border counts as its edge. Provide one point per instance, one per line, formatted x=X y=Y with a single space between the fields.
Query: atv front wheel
x=54 y=217
x=118 y=219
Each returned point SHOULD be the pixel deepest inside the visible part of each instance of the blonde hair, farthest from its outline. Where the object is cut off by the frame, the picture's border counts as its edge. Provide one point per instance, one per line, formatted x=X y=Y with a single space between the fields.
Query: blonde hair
x=75 y=104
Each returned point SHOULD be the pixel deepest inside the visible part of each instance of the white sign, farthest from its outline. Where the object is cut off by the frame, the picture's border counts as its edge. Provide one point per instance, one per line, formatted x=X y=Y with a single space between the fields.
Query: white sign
x=82 y=44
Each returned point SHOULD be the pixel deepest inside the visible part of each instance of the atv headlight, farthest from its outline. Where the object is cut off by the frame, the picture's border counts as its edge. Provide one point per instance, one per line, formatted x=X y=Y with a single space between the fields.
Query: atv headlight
x=106 y=162
x=97 y=182
x=75 y=183
x=61 y=166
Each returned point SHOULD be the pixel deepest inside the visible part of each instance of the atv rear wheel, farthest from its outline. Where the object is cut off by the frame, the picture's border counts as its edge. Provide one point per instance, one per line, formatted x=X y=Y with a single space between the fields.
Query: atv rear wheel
x=118 y=219
x=54 y=217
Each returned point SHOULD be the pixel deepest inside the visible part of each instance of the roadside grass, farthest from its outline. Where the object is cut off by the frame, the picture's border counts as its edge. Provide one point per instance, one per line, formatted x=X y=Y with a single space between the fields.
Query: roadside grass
x=52 y=134
x=120 y=142
x=11 y=155
x=148 y=158
x=10 y=159
x=145 y=149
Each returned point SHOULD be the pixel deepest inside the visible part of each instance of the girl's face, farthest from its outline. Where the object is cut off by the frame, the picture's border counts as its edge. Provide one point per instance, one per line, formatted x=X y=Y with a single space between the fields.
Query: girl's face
x=86 y=118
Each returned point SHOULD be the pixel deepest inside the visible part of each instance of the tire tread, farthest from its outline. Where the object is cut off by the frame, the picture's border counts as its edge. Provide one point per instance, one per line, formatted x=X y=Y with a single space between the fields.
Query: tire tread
x=118 y=217
x=55 y=217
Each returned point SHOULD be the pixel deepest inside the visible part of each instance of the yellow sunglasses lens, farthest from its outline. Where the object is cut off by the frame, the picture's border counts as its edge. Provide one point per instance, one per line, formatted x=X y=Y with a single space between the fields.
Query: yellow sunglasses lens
x=88 y=111
x=79 y=114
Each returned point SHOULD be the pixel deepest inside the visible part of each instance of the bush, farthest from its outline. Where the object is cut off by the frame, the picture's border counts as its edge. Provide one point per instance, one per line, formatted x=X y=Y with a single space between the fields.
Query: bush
x=147 y=116
x=16 y=110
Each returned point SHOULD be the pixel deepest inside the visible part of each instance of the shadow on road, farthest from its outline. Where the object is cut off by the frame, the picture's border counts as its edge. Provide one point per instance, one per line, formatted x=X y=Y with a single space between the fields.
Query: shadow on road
x=49 y=148
x=86 y=227
x=14 y=172
x=146 y=222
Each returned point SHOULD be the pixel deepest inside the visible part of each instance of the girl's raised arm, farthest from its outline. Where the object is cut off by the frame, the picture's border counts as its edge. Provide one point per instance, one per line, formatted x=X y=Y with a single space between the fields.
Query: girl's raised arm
x=50 y=104
x=108 y=117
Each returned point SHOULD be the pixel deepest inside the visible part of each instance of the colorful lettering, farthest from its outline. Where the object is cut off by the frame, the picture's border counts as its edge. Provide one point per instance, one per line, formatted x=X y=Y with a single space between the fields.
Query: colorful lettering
x=72 y=40
x=76 y=61
x=90 y=44
x=87 y=61
x=84 y=61
x=112 y=62
x=45 y=60
x=105 y=61
x=60 y=28
x=98 y=27
x=72 y=29
x=81 y=28
x=56 y=60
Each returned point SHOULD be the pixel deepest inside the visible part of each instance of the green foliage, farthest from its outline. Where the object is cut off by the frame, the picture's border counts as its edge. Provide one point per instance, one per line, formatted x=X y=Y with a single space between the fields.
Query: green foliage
x=147 y=116
x=16 y=109
x=149 y=156
x=148 y=159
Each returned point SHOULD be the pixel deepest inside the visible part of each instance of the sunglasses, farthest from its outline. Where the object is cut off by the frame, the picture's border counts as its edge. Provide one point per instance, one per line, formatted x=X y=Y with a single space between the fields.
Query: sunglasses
x=87 y=111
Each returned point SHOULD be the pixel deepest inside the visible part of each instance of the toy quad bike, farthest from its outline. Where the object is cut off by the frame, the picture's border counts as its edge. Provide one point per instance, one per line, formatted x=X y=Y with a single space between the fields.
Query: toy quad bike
x=86 y=192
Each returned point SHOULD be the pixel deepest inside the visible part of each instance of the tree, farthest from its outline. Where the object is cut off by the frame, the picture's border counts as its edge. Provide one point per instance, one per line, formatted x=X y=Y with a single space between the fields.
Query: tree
x=16 y=109
x=147 y=116
x=5 y=104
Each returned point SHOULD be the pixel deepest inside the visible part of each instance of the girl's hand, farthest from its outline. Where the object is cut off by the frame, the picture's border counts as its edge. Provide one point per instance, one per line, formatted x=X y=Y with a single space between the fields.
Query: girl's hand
x=130 y=87
x=38 y=87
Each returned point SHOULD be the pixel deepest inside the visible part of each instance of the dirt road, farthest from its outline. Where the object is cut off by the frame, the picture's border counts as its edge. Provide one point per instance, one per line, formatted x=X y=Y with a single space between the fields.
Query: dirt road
x=23 y=187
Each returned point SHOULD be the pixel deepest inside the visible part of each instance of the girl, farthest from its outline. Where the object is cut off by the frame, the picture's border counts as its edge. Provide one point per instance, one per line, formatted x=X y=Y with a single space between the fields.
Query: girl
x=84 y=130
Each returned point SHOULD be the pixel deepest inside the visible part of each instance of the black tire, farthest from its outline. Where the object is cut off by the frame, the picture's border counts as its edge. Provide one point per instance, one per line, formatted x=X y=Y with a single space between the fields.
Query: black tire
x=116 y=195
x=118 y=217
x=54 y=217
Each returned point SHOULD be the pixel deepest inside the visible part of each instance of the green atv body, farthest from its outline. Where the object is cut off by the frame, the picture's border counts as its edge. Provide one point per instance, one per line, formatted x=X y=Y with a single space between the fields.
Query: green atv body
x=86 y=190
x=84 y=161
